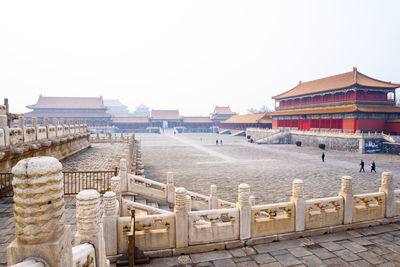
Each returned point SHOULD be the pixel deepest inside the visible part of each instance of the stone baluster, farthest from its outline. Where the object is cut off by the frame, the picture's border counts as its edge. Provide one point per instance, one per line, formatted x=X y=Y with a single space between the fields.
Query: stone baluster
x=123 y=174
x=188 y=203
x=387 y=188
x=213 y=204
x=40 y=228
x=34 y=122
x=299 y=204
x=244 y=211
x=115 y=184
x=110 y=223
x=88 y=222
x=348 y=198
x=21 y=122
x=252 y=200
x=181 y=218
x=170 y=188
x=5 y=130
x=46 y=122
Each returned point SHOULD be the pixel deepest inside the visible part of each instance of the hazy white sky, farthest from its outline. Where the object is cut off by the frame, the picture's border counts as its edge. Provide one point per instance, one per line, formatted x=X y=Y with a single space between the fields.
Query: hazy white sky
x=190 y=55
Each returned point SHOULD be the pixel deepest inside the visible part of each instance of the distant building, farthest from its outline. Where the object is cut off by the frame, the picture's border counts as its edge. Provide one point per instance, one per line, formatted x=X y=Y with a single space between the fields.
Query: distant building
x=133 y=123
x=221 y=114
x=116 y=108
x=349 y=101
x=142 y=111
x=243 y=122
x=91 y=109
x=165 y=118
x=197 y=122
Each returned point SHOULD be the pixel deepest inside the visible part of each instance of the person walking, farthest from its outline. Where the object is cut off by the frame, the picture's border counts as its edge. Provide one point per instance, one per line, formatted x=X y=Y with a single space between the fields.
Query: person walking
x=220 y=142
x=362 y=166
x=373 y=166
x=323 y=157
x=216 y=142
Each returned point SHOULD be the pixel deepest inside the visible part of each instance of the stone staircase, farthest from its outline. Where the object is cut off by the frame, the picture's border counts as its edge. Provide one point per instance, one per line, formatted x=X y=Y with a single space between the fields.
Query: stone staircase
x=274 y=138
x=151 y=203
x=225 y=132
x=239 y=133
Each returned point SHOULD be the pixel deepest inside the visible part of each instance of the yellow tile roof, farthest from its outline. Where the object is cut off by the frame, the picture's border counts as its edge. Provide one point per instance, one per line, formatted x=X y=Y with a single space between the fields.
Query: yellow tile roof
x=339 y=81
x=249 y=118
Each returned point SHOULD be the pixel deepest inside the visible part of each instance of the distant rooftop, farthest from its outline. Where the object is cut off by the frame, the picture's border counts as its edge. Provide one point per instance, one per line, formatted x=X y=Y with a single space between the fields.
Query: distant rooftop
x=51 y=102
x=165 y=114
x=113 y=103
x=198 y=119
x=249 y=118
x=222 y=110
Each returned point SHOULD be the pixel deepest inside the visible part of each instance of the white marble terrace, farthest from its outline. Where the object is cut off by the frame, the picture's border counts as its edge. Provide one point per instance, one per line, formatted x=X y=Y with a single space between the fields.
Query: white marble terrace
x=198 y=223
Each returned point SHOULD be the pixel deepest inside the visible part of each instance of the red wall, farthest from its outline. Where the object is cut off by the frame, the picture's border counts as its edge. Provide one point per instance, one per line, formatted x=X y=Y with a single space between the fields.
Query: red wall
x=392 y=127
x=349 y=124
x=371 y=125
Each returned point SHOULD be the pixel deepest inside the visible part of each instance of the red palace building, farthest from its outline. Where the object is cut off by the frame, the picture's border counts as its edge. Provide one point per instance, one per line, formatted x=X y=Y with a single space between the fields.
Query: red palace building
x=348 y=102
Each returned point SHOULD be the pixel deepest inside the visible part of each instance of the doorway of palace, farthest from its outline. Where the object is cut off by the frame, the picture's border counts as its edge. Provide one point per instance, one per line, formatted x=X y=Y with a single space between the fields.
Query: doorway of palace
x=165 y=124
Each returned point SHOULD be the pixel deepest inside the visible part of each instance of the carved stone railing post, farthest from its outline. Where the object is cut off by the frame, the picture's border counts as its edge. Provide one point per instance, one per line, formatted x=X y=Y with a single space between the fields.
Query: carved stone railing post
x=21 y=122
x=188 y=203
x=34 y=122
x=387 y=188
x=252 y=200
x=123 y=174
x=170 y=188
x=89 y=228
x=115 y=184
x=40 y=228
x=110 y=223
x=299 y=204
x=181 y=218
x=348 y=198
x=213 y=204
x=6 y=130
x=244 y=211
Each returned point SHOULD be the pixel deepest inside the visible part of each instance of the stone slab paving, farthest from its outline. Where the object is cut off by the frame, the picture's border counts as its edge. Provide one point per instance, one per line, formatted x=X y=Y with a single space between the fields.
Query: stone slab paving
x=342 y=249
x=99 y=157
x=7 y=223
x=197 y=162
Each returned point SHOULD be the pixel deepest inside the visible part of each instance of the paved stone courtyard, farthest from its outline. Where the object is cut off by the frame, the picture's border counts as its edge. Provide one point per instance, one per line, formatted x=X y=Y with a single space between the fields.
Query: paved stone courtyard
x=373 y=246
x=269 y=169
x=197 y=162
x=99 y=157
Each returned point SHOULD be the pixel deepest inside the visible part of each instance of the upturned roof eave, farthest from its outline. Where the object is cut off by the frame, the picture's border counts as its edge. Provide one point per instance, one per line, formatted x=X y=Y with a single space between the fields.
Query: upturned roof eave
x=393 y=86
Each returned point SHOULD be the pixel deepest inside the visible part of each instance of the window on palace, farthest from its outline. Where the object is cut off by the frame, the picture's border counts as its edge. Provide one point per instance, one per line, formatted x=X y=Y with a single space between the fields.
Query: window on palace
x=390 y=96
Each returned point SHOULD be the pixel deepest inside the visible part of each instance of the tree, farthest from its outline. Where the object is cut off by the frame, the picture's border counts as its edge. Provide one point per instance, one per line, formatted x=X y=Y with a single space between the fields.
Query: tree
x=263 y=109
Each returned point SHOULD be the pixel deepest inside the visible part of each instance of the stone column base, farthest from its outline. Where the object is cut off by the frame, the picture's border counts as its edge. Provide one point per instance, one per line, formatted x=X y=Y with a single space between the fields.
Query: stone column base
x=56 y=252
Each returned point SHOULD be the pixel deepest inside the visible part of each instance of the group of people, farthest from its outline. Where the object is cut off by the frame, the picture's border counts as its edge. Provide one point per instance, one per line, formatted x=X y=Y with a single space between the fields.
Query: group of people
x=220 y=142
x=373 y=165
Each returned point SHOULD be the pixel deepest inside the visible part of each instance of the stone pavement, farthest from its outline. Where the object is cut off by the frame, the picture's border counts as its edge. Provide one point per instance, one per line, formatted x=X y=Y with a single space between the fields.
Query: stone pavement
x=7 y=223
x=197 y=162
x=372 y=246
x=100 y=156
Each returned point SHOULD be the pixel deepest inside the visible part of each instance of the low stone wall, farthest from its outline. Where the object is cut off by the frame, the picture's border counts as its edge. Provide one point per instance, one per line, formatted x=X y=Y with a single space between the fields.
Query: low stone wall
x=335 y=143
x=59 y=149
x=353 y=142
